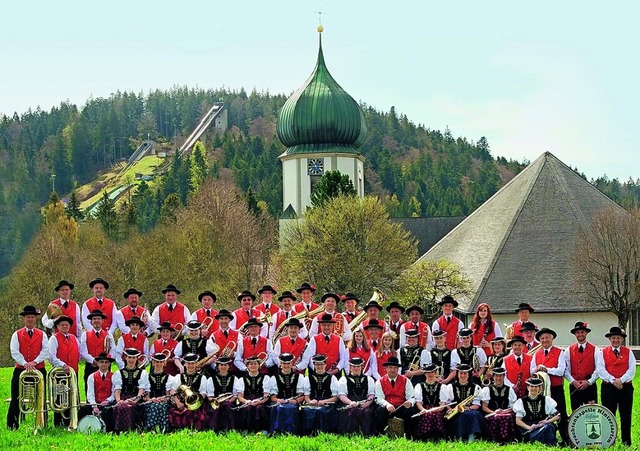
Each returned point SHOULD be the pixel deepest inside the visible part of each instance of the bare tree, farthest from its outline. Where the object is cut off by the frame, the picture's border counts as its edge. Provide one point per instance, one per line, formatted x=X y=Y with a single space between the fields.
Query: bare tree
x=607 y=262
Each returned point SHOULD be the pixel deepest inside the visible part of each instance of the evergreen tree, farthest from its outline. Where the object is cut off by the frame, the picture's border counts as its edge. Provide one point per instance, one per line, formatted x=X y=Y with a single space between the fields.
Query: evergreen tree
x=331 y=185
x=146 y=207
x=73 y=207
x=169 y=209
x=107 y=215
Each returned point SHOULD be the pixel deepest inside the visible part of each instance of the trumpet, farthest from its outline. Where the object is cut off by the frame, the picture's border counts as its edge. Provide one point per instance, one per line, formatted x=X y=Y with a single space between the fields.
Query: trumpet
x=228 y=349
x=460 y=407
x=215 y=402
x=535 y=349
x=379 y=297
x=63 y=394
x=206 y=324
x=31 y=390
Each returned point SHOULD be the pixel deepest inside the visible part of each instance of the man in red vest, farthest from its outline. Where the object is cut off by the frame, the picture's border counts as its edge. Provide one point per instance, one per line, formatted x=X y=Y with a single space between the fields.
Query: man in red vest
x=267 y=293
x=226 y=339
x=287 y=299
x=100 y=392
x=524 y=312
x=246 y=311
x=93 y=342
x=329 y=302
x=306 y=291
x=100 y=302
x=447 y=322
x=254 y=345
x=528 y=331
x=166 y=344
x=580 y=371
x=209 y=326
x=425 y=340
x=518 y=366
x=132 y=339
x=68 y=308
x=172 y=310
x=29 y=349
x=64 y=352
x=133 y=308
x=616 y=367
x=326 y=343
x=395 y=321
x=291 y=343
x=394 y=397
x=350 y=306
x=373 y=309
x=549 y=360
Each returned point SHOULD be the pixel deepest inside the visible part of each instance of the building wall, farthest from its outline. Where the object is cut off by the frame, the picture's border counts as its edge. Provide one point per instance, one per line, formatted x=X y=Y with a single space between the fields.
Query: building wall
x=296 y=183
x=562 y=323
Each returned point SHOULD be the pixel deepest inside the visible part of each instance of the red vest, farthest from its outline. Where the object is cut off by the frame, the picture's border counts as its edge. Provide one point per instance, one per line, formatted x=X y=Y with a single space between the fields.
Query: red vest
x=394 y=395
x=30 y=347
x=281 y=316
x=102 y=388
x=130 y=343
x=298 y=307
x=423 y=330
x=201 y=314
x=295 y=349
x=96 y=345
x=451 y=329
x=583 y=365
x=222 y=341
x=365 y=323
x=514 y=371
x=259 y=350
x=242 y=317
x=68 y=350
x=331 y=350
x=479 y=333
x=616 y=366
x=550 y=361
x=517 y=325
x=382 y=370
x=273 y=308
x=70 y=312
x=106 y=308
x=127 y=313
x=338 y=327
x=175 y=317
x=159 y=346
x=363 y=354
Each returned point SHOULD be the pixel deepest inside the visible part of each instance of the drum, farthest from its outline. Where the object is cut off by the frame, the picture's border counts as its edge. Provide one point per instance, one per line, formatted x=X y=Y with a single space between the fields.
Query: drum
x=592 y=426
x=90 y=424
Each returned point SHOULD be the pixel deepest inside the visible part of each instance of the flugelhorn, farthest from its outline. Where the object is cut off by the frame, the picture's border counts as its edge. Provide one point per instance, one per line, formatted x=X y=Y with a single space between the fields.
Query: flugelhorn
x=143 y=361
x=262 y=360
x=31 y=388
x=205 y=360
x=215 y=402
x=460 y=407
x=508 y=331
x=179 y=327
x=206 y=324
x=415 y=363
x=228 y=349
x=63 y=394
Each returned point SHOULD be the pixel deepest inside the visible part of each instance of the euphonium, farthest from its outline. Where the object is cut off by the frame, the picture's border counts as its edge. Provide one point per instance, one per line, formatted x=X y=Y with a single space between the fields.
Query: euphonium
x=63 y=394
x=379 y=297
x=460 y=407
x=190 y=399
x=31 y=388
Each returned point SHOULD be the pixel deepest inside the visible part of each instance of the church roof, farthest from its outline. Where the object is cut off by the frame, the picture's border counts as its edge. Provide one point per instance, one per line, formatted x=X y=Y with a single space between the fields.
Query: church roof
x=321 y=116
x=518 y=246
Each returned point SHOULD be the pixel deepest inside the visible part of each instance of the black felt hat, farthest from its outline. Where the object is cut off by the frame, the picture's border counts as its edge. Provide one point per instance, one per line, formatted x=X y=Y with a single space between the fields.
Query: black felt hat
x=448 y=300
x=64 y=283
x=99 y=280
x=131 y=291
x=29 y=310
x=171 y=287
x=207 y=293
x=397 y=305
x=96 y=312
x=246 y=294
x=306 y=286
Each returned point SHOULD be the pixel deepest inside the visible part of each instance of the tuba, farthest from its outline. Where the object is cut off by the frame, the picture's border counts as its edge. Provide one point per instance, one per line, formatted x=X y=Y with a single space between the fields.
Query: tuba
x=379 y=297
x=31 y=388
x=63 y=394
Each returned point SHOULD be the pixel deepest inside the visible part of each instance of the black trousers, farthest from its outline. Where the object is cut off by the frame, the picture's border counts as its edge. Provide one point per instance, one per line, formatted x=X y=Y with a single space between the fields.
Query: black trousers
x=13 y=415
x=88 y=371
x=382 y=415
x=582 y=397
x=557 y=393
x=620 y=399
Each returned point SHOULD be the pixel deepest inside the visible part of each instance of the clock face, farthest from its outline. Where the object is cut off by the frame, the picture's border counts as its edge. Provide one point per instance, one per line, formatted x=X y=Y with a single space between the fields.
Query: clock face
x=315 y=166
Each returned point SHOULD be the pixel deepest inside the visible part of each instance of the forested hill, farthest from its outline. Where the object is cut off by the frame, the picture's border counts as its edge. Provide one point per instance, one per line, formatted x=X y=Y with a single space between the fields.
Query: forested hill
x=417 y=171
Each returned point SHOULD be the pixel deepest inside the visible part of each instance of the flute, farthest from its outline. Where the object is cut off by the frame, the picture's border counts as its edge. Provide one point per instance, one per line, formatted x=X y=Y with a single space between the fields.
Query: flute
x=433 y=409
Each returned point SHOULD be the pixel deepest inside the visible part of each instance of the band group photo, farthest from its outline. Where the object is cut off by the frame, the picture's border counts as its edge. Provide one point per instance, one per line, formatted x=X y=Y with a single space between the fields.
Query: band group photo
x=297 y=363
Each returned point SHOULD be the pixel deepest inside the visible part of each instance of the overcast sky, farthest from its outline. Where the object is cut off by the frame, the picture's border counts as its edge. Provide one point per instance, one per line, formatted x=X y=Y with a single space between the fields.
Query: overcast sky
x=531 y=77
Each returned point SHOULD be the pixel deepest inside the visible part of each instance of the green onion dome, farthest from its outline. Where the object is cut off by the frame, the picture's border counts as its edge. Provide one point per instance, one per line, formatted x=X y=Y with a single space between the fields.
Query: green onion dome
x=321 y=116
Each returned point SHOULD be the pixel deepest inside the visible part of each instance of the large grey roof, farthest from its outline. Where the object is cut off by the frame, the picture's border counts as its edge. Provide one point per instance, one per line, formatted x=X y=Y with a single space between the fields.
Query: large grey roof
x=517 y=246
x=428 y=231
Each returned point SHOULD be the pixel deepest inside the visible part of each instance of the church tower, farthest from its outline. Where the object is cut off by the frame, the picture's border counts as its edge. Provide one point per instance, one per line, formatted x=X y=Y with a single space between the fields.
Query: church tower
x=322 y=127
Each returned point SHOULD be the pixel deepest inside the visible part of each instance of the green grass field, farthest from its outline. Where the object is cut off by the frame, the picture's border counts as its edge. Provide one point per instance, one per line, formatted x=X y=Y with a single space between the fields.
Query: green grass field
x=52 y=438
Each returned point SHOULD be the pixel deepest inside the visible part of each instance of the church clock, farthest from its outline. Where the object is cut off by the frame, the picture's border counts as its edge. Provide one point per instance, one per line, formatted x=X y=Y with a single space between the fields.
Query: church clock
x=315 y=166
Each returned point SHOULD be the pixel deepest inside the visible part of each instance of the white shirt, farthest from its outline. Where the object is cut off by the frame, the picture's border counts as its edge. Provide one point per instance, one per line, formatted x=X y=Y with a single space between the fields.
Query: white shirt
x=271 y=384
x=417 y=390
x=143 y=382
x=84 y=351
x=151 y=324
x=346 y=332
x=204 y=389
x=403 y=335
x=455 y=358
x=86 y=322
x=408 y=394
x=370 y=366
x=311 y=351
x=19 y=358
x=239 y=362
x=238 y=386
x=306 y=386
x=447 y=395
x=485 y=395
x=557 y=371
x=607 y=377
x=549 y=407
x=304 y=333
x=155 y=317
x=344 y=391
